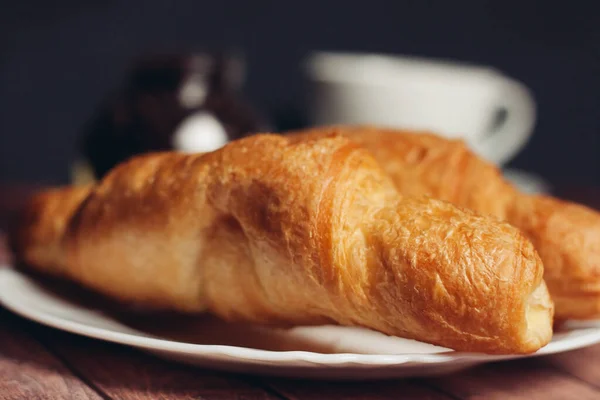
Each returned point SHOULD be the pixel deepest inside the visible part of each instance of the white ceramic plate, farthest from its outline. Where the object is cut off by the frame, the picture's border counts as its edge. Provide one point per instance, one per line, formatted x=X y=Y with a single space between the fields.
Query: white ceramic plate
x=328 y=352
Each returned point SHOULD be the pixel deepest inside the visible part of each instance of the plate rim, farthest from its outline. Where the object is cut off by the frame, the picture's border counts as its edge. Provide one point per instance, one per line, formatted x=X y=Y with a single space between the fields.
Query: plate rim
x=588 y=337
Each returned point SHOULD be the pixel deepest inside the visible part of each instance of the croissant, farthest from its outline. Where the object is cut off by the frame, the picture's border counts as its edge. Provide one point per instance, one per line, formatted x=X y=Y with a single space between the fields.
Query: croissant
x=267 y=230
x=566 y=235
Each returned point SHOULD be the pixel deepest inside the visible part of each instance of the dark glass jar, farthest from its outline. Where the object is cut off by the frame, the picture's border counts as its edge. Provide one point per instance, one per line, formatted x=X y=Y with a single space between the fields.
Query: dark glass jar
x=168 y=102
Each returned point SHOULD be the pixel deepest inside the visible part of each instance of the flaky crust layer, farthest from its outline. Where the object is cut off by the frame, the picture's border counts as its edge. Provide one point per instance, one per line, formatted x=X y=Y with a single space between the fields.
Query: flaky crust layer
x=566 y=235
x=274 y=231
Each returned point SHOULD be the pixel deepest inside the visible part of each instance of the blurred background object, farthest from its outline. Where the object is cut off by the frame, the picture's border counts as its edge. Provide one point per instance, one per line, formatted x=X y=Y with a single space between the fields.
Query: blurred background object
x=61 y=61
x=492 y=113
x=185 y=102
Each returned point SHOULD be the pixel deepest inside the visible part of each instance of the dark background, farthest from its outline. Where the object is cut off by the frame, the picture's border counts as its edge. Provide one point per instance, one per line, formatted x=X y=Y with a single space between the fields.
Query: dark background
x=58 y=59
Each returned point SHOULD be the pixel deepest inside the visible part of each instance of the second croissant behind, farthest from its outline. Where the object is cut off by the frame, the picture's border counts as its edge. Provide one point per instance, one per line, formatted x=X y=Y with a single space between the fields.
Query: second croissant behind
x=269 y=230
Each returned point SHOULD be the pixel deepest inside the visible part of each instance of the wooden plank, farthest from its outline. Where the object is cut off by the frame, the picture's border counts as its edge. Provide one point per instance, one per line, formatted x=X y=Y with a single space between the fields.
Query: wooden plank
x=583 y=364
x=529 y=379
x=29 y=371
x=123 y=373
x=126 y=374
x=397 y=389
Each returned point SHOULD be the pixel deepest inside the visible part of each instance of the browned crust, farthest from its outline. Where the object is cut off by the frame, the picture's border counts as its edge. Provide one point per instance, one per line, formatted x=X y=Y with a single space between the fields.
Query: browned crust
x=566 y=235
x=278 y=231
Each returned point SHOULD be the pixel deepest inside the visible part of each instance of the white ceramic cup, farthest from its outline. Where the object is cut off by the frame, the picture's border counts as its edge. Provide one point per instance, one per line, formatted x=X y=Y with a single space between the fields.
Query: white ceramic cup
x=451 y=99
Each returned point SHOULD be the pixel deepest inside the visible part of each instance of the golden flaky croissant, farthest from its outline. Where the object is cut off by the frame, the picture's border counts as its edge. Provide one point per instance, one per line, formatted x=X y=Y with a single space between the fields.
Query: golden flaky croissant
x=566 y=235
x=270 y=231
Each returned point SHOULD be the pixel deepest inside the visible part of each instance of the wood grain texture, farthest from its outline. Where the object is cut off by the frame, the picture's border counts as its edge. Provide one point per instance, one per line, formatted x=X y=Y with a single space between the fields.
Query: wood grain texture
x=396 y=389
x=126 y=374
x=583 y=364
x=515 y=380
x=28 y=371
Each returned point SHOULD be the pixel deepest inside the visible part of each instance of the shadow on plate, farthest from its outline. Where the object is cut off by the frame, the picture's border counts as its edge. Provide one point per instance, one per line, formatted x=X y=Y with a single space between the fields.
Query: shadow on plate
x=209 y=330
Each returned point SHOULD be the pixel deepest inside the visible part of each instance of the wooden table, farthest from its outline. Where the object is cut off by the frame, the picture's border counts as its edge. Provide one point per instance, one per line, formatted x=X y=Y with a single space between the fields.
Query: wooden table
x=37 y=362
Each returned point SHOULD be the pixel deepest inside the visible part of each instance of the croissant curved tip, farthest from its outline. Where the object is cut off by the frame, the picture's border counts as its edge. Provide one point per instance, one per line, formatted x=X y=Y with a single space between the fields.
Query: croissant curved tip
x=538 y=315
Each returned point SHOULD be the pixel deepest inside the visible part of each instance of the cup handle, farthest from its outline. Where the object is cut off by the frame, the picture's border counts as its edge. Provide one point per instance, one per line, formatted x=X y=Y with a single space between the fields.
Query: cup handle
x=506 y=140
